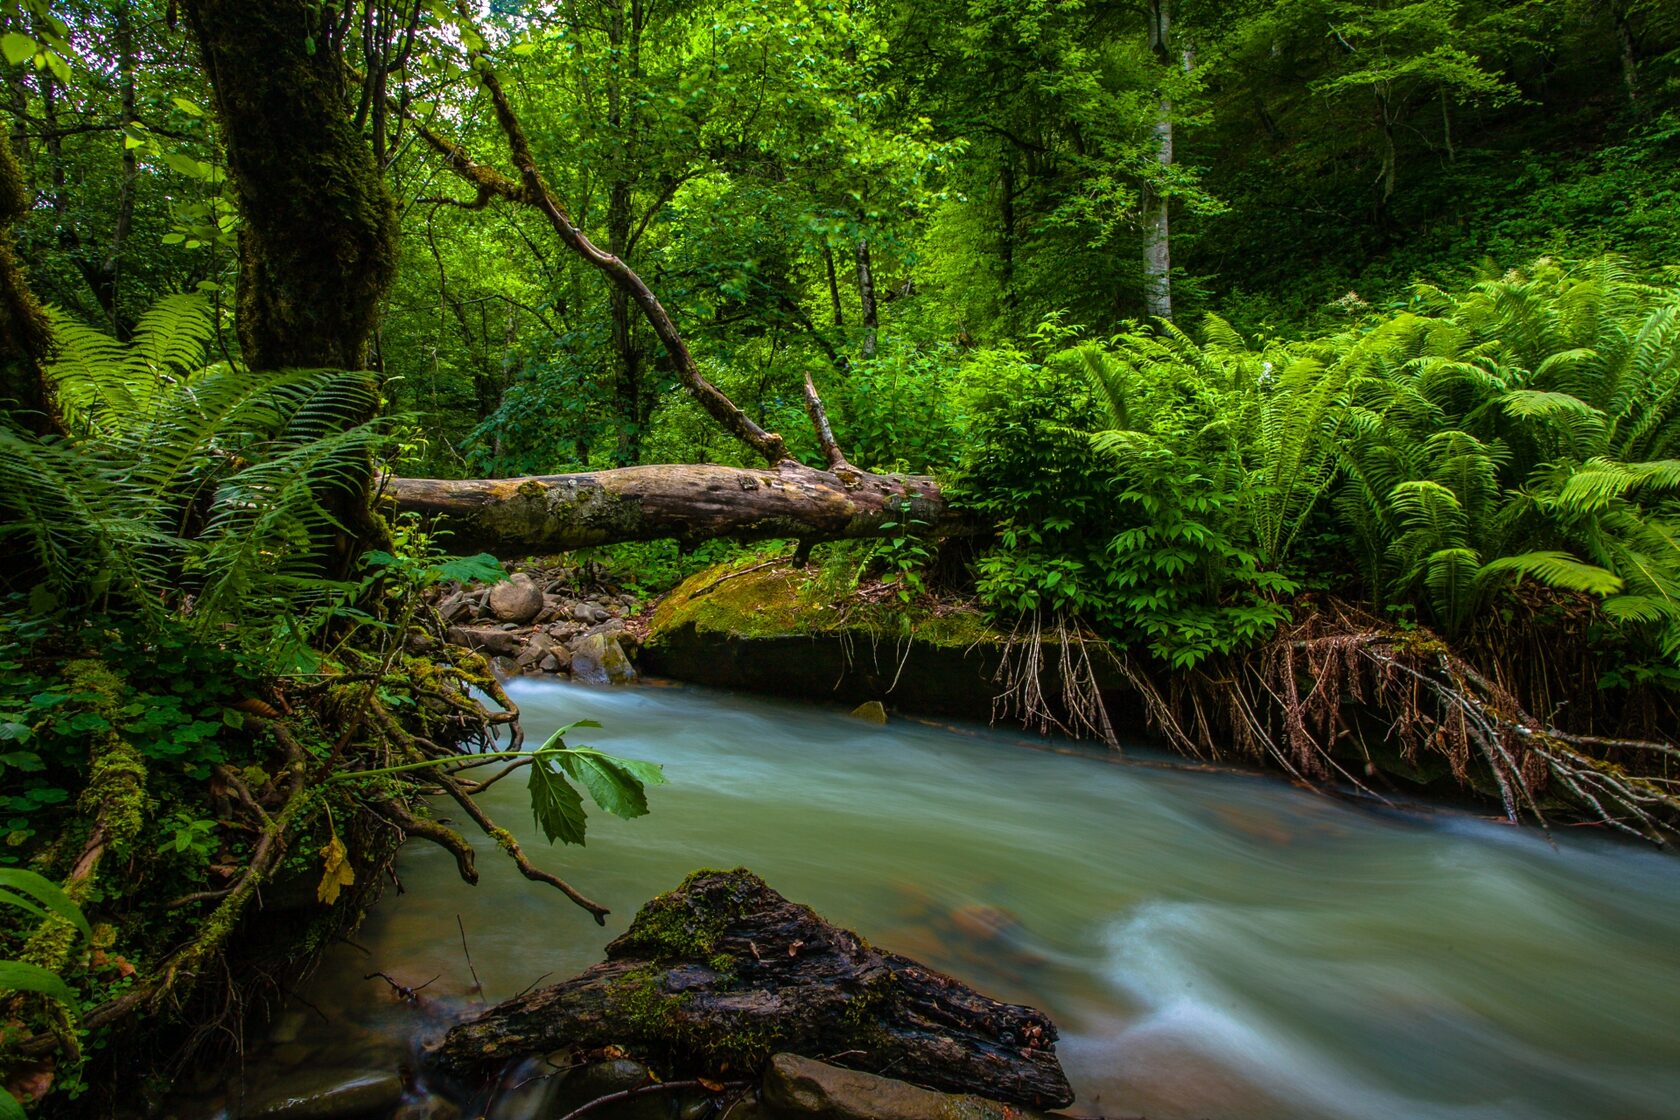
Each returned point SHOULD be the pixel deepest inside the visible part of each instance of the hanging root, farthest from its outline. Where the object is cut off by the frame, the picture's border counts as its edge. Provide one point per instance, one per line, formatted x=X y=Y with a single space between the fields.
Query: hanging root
x=1293 y=700
x=1078 y=710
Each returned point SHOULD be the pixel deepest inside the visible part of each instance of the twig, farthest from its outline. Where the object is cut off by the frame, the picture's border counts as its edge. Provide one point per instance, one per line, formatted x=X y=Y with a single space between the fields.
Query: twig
x=478 y=985
x=645 y=1090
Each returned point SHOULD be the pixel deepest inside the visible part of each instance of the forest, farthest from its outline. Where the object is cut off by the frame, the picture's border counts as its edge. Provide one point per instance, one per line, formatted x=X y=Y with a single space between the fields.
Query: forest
x=1284 y=386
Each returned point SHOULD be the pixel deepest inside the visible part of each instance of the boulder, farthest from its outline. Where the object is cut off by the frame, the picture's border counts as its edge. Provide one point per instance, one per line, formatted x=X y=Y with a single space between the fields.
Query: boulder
x=723 y=972
x=795 y=1087
x=599 y=659
x=516 y=600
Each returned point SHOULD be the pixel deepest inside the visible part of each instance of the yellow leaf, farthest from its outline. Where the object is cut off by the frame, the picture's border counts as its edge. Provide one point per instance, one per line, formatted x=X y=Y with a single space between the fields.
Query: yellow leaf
x=338 y=873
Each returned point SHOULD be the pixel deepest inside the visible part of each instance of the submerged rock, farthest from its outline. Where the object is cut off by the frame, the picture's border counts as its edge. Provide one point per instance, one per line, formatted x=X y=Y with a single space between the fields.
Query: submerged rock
x=723 y=972
x=795 y=1087
x=871 y=711
x=344 y=1097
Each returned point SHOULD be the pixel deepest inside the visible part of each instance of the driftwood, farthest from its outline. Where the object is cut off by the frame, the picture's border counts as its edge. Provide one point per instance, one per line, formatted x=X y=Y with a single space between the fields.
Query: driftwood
x=723 y=972
x=690 y=503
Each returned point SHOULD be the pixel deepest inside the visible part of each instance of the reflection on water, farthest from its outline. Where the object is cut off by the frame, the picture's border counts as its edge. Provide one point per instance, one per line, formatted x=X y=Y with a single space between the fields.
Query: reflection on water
x=1212 y=945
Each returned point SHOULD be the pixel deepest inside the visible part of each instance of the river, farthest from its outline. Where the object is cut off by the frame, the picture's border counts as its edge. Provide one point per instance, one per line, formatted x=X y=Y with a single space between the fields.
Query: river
x=1212 y=944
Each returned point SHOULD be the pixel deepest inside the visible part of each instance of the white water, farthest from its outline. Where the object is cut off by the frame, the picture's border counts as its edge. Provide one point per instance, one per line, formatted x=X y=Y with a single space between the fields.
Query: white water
x=1212 y=945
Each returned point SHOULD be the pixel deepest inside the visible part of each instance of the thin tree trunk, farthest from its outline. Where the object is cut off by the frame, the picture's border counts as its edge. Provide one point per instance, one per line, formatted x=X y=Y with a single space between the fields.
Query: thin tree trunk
x=25 y=333
x=623 y=119
x=1006 y=241
x=833 y=287
x=111 y=270
x=866 y=296
x=1157 y=238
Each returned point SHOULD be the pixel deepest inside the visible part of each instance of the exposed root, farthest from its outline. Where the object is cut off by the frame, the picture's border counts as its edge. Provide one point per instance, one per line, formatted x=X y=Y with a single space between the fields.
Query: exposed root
x=1293 y=700
x=1079 y=710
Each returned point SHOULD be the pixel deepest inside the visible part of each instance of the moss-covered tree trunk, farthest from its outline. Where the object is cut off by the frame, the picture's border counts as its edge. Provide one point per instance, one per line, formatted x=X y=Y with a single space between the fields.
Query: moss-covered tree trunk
x=25 y=334
x=318 y=248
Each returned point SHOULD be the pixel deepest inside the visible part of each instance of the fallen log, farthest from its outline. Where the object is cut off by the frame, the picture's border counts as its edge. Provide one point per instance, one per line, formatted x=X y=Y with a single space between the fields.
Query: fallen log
x=723 y=972
x=689 y=503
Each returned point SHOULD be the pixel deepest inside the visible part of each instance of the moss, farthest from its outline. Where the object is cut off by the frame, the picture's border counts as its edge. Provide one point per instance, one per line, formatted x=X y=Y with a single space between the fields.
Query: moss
x=774 y=603
x=670 y=927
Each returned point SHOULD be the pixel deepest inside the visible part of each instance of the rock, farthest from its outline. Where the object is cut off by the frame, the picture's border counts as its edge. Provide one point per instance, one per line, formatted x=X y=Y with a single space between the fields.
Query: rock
x=577 y=1087
x=799 y=1087
x=537 y=647
x=549 y=664
x=347 y=1096
x=504 y=667
x=871 y=711
x=599 y=659
x=553 y=608
x=454 y=606
x=429 y=1107
x=516 y=599
x=590 y=612
x=489 y=639
x=725 y=972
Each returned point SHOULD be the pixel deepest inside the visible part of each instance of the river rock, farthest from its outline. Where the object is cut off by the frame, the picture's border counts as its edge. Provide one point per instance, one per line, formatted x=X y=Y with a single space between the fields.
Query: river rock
x=345 y=1096
x=796 y=1087
x=590 y=612
x=599 y=659
x=516 y=600
x=490 y=639
x=538 y=646
x=871 y=711
x=723 y=972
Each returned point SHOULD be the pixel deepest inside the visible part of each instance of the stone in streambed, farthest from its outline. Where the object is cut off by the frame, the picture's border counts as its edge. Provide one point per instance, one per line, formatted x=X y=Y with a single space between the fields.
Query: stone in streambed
x=796 y=1087
x=871 y=711
x=344 y=1097
x=599 y=659
x=516 y=600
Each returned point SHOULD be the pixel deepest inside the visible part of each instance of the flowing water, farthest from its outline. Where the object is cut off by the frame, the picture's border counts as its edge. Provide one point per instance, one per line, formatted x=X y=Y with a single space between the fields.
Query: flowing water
x=1211 y=944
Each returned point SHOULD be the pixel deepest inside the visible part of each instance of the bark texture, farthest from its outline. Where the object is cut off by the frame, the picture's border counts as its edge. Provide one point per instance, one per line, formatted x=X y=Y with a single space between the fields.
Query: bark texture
x=25 y=333
x=318 y=249
x=724 y=972
x=553 y=513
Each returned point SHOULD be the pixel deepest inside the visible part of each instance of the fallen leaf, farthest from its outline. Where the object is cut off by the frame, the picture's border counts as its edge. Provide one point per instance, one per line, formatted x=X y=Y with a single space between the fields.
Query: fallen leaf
x=337 y=873
x=793 y=949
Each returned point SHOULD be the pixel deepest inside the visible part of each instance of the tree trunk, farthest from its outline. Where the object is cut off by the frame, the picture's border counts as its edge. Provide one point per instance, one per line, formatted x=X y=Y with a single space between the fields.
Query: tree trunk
x=25 y=333
x=553 y=513
x=318 y=248
x=866 y=297
x=833 y=287
x=1157 y=241
x=724 y=972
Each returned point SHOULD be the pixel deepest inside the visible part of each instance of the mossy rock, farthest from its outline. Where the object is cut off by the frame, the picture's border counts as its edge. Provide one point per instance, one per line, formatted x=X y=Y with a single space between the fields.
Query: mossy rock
x=772 y=630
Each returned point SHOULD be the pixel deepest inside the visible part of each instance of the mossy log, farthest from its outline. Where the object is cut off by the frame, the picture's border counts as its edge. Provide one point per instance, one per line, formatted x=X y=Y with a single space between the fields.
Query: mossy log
x=723 y=972
x=690 y=503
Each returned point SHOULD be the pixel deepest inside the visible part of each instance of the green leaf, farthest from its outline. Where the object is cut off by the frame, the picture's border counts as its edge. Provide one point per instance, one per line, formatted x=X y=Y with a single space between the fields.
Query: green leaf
x=483 y=568
x=557 y=807
x=17 y=976
x=614 y=784
x=10 y=1109
x=191 y=108
x=46 y=892
x=7 y=898
x=18 y=48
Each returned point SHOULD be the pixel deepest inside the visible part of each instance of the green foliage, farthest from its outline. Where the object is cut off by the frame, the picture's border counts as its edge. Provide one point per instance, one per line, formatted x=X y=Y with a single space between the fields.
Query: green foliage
x=214 y=481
